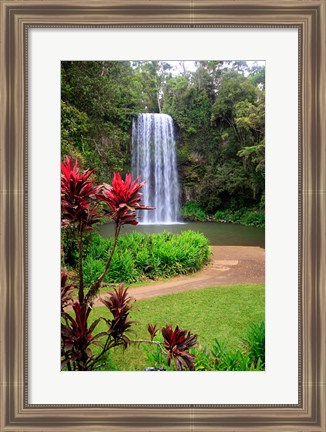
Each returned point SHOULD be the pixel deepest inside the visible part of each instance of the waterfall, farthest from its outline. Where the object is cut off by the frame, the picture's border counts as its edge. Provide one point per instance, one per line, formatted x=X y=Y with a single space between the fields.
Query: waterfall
x=154 y=160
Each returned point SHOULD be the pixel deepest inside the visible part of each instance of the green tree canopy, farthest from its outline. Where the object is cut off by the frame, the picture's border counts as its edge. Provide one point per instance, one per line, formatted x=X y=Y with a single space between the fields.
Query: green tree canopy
x=218 y=108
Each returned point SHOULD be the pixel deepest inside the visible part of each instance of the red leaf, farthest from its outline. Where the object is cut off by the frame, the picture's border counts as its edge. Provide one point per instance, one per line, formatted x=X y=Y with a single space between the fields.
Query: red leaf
x=123 y=198
x=78 y=193
x=119 y=303
x=177 y=342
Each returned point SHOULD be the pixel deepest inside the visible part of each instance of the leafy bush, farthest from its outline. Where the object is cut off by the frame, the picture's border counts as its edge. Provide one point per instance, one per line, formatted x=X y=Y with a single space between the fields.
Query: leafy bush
x=192 y=212
x=249 y=217
x=92 y=269
x=237 y=360
x=220 y=358
x=228 y=216
x=244 y=217
x=253 y=218
x=142 y=256
x=204 y=360
x=156 y=359
x=254 y=343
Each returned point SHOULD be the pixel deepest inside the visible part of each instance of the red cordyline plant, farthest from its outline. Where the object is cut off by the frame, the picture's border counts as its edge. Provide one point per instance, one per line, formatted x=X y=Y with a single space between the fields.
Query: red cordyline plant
x=177 y=343
x=119 y=304
x=152 y=330
x=123 y=198
x=83 y=205
x=78 y=193
x=175 y=346
x=78 y=206
x=77 y=337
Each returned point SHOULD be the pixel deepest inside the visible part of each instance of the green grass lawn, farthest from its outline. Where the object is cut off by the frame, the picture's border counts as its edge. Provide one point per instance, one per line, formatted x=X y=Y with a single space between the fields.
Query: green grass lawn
x=224 y=312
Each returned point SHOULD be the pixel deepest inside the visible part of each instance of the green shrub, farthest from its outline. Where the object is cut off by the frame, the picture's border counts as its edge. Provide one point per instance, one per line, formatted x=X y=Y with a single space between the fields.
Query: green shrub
x=253 y=218
x=254 y=343
x=203 y=359
x=155 y=358
x=244 y=217
x=226 y=360
x=248 y=217
x=122 y=268
x=93 y=268
x=250 y=357
x=192 y=212
x=139 y=256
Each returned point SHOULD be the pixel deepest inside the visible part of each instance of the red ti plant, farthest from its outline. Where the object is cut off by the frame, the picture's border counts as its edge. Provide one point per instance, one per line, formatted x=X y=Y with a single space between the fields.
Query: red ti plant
x=177 y=343
x=78 y=206
x=81 y=204
x=175 y=346
x=77 y=338
x=152 y=330
x=119 y=304
x=121 y=200
x=78 y=194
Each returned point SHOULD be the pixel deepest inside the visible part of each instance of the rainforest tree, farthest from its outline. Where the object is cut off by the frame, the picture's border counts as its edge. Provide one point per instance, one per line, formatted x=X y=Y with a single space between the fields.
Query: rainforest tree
x=218 y=108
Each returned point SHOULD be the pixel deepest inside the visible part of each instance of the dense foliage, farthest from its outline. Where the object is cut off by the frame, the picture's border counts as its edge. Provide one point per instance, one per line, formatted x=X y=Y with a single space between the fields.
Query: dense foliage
x=251 y=217
x=219 y=113
x=83 y=204
x=250 y=356
x=141 y=256
x=191 y=211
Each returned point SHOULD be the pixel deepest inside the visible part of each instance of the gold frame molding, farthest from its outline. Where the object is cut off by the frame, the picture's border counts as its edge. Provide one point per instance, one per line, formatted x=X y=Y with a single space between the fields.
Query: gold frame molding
x=17 y=16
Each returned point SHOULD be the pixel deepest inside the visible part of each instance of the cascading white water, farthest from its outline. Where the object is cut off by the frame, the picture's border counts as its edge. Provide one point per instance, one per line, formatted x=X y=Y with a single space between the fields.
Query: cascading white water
x=154 y=160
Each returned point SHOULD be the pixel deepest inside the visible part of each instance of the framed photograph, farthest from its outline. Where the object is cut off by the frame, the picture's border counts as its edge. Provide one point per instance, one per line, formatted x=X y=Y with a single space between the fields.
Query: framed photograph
x=39 y=43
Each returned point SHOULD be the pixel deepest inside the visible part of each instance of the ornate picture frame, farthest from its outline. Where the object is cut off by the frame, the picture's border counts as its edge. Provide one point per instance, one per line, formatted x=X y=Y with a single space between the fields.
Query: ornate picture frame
x=19 y=16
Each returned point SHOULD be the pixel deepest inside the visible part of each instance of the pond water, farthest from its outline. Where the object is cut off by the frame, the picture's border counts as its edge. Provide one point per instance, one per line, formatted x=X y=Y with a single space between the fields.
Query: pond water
x=218 y=234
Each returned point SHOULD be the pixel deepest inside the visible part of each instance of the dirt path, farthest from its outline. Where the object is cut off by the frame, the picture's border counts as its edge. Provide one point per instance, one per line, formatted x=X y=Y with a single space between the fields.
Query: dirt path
x=229 y=265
